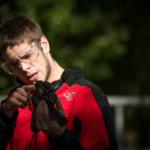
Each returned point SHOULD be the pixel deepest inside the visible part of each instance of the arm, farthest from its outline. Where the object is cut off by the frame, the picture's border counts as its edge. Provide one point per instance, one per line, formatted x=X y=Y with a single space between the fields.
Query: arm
x=7 y=126
x=98 y=121
x=9 y=112
x=69 y=141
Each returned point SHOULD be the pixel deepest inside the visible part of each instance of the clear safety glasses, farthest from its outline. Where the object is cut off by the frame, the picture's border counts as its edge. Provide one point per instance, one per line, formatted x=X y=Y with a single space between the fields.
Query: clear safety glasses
x=27 y=55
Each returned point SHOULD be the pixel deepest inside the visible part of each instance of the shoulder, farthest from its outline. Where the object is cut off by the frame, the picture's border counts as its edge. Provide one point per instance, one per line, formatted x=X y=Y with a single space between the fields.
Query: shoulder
x=95 y=90
x=75 y=76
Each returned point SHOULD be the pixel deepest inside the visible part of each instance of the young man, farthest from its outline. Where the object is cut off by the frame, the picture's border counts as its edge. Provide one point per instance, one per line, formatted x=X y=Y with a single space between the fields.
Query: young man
x=25 y=51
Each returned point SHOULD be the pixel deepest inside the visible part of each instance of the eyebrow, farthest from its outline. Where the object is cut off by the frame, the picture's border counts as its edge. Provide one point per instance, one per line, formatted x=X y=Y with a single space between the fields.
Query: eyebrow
x=10 y=61
x=27 y=48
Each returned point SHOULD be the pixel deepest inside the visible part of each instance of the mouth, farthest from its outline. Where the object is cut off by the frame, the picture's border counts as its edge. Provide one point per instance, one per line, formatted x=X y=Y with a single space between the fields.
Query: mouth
x=32 y=77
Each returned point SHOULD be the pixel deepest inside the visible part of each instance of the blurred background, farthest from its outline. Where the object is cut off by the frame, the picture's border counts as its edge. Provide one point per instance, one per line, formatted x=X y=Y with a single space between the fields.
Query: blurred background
x=109 y=40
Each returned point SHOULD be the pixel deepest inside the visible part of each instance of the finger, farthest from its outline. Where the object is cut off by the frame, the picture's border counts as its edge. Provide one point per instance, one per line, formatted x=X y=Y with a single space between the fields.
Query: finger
x=23 y=93
x=59 y=106
x=15 y=102
x=29 y=88
x=20 y=98
x=20 y=104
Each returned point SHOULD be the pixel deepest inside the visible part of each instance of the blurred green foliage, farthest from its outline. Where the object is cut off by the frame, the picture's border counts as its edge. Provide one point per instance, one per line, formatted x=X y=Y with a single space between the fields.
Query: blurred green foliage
x=98 y=36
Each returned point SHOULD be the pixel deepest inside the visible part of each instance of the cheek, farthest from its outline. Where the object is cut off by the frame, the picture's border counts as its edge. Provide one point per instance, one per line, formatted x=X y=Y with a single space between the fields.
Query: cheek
x=20 y=75
x=22 y=78
x=44 y=65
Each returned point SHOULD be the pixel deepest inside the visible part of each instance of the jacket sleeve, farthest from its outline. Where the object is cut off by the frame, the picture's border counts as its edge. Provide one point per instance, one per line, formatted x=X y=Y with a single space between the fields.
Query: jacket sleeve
x=69 y=141
x=7 y=126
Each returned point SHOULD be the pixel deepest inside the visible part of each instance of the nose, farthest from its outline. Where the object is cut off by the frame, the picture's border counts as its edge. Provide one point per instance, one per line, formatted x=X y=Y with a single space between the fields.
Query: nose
x=23 y=65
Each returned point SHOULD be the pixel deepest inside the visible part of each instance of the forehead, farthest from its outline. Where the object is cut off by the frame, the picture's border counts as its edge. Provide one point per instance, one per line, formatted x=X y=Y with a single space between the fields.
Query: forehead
x=11 y=51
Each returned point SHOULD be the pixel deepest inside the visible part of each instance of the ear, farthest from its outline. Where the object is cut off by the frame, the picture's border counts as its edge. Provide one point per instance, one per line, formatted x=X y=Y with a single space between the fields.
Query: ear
x=45 y=45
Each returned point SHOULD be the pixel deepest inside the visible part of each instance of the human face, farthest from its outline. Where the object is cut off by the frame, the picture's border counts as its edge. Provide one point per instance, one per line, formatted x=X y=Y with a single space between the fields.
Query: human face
x=29 y=72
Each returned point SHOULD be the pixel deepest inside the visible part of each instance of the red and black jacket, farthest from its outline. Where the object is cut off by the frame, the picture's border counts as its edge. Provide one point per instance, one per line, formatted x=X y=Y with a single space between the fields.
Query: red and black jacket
x=90 y=124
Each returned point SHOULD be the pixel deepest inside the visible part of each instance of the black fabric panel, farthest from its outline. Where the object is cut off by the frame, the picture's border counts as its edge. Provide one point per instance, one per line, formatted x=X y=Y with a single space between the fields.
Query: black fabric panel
x=77 y=126
x=69 y=141
x=7 y=126
x=56 y=85
x=106 y=112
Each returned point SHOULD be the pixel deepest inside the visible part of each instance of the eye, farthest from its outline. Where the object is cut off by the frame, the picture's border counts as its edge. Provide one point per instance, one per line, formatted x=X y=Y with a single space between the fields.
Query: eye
x=27 y=55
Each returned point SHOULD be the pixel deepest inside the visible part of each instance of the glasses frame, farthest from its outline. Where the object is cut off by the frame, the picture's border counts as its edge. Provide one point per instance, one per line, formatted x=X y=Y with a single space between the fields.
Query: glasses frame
x=4 y=64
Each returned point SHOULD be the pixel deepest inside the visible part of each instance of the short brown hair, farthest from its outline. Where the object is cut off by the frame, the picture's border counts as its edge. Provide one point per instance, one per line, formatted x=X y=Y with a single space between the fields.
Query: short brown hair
x=16 y=30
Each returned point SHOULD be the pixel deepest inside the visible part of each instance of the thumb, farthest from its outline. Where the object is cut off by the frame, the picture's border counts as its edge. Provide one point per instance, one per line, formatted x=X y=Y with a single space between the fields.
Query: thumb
x=29 y=88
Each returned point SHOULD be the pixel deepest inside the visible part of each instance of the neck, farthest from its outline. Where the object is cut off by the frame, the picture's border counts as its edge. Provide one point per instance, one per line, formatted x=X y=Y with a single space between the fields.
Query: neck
x=56 y=71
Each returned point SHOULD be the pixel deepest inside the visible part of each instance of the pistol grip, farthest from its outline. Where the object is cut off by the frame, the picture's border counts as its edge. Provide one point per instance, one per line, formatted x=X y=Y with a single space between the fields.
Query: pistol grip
x=33 y=120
